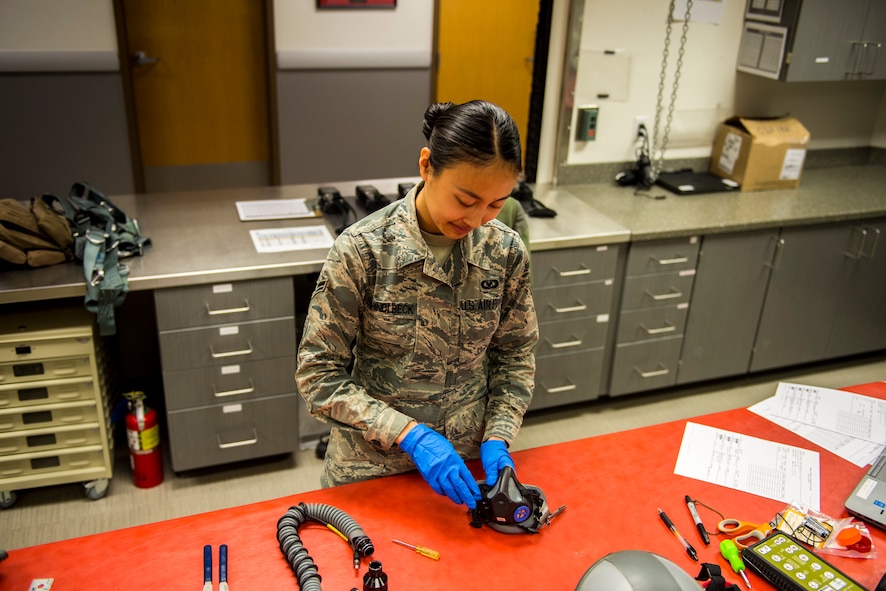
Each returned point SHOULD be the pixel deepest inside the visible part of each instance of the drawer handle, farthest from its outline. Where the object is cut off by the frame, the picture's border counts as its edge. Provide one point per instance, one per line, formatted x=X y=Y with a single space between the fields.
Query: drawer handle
x=654 y=373
x=582 y=271
x=566 y=344
x=673 y=294
x=241 y=443
x=246 y=351
x=558 y=389
x=669 y=328
x=248 y=390
x=579 y=308
x=676 y=261
x=243 y=308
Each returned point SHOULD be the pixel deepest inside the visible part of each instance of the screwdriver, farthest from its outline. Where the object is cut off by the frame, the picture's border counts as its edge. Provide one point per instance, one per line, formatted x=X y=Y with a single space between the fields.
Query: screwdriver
x=730 y=552
x=423 y=551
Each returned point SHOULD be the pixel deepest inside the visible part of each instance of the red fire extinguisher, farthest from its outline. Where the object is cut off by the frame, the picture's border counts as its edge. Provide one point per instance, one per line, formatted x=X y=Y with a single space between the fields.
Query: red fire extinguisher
x=143 y=434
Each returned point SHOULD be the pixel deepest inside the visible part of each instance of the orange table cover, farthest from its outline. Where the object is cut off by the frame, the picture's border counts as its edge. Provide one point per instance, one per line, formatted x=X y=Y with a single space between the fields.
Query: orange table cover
x=611 y=485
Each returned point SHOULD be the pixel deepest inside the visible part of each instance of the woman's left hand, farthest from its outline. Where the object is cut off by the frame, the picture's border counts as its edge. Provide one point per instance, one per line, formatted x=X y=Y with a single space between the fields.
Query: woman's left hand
x=494 y=455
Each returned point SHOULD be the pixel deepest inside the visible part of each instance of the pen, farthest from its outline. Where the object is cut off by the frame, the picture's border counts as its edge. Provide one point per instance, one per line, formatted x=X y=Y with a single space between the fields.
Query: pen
x=698 y=524
x=689 y=549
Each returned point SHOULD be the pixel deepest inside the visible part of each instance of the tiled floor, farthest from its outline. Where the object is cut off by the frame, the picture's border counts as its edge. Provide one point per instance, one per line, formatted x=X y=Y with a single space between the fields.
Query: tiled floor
x=60 y=512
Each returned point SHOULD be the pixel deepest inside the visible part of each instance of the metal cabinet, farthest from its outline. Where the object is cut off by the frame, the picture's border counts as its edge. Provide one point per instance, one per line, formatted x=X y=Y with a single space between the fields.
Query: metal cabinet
x=815 y=40
x=573 y=293
x=54 y=401
x=727 y=299
x=658 y=284
x=228 y=357
x=825 y=295
x=860 y=321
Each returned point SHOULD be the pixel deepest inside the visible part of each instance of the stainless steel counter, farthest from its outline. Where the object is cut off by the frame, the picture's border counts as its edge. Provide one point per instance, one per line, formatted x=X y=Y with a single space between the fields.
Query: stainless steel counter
x=198 y=238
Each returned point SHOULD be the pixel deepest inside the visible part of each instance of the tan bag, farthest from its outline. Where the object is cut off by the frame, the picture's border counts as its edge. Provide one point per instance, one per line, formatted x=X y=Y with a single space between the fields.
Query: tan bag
x=34 y=237
x=52 y=223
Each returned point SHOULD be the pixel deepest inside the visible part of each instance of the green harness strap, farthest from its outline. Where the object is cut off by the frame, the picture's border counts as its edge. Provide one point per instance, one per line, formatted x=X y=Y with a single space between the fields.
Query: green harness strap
x=103 y=234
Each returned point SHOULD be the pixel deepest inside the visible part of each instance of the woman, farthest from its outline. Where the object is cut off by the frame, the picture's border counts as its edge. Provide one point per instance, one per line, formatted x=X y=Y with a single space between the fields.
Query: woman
x=418 y=343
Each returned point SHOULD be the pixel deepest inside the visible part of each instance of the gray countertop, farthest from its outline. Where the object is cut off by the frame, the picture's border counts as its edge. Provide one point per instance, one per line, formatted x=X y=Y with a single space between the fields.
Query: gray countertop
x=824 y=195
x=197 y=236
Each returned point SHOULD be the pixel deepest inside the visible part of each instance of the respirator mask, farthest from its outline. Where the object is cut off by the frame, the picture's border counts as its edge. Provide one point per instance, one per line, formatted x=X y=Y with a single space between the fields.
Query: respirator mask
x=510 y=507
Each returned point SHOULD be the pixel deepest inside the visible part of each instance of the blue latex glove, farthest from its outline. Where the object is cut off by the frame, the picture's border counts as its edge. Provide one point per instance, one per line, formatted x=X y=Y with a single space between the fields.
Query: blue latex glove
x=440 y=465
x=494 y=455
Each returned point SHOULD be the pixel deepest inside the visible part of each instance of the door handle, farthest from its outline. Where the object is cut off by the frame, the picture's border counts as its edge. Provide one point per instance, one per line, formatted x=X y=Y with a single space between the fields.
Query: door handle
x=140 y=58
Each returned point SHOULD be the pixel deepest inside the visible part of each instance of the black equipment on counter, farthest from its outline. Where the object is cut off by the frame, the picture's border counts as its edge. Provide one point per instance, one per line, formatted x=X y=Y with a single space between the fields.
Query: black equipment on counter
x=523 y=193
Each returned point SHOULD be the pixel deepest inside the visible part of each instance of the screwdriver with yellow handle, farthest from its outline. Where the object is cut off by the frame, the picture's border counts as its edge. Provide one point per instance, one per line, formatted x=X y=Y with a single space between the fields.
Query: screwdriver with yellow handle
x=730 y=552
x=421 y=550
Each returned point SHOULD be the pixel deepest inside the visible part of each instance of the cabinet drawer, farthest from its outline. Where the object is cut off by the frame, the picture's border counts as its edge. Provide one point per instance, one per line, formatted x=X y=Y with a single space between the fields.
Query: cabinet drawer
x=229 y=383
x=224 y=345
x=638 y=325
x=223 y=303
x=36 y=348
x=567 y=378
x=63 y=460
x=47 y=391
x=568 y=336
x=233 y=432
x=662 y=256
x=645 y=366
x=30 y=371
x=573 y=265
x=573 y=301
x=657 y=290
x=50 y=415
x=35 y=440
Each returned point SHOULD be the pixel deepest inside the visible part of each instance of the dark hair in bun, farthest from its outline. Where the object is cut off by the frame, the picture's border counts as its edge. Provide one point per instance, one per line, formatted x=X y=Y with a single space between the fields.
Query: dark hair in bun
x=476 y=132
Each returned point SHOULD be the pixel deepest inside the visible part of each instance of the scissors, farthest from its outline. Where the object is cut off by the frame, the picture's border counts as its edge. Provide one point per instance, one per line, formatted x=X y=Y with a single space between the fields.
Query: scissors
x=744 y=533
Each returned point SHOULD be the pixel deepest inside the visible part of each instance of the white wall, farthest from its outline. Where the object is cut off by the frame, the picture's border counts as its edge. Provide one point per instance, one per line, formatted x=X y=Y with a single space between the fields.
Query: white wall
x=57 y=36
x=635 y=31
x=837 y=114
x=57 y=25
x=309 y=38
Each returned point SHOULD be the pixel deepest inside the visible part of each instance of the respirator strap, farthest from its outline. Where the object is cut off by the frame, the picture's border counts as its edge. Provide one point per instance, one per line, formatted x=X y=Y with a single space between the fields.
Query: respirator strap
x=715 y=581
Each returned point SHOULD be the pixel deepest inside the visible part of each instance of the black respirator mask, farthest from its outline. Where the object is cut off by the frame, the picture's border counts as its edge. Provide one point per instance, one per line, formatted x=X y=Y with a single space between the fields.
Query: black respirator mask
x=510 y=507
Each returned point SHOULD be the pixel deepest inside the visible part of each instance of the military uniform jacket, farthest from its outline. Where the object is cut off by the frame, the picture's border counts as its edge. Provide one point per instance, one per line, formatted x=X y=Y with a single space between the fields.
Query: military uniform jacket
x=392 y=336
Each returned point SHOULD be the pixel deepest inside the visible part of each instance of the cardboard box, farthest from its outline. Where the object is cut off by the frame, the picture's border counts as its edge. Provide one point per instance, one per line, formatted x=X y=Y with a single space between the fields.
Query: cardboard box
x=760 y=154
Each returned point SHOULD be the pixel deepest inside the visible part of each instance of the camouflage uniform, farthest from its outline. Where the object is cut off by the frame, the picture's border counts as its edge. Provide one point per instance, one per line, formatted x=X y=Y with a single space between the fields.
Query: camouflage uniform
x=451 y=347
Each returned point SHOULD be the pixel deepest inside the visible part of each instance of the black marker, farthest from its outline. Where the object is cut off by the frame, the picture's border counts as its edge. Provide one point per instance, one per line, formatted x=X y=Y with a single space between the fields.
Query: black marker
x=698 y=524
x=689 y=549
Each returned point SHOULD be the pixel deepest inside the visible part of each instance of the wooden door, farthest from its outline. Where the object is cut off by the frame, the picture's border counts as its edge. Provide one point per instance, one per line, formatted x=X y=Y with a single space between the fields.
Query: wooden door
x=200 y=91
x=485 y=50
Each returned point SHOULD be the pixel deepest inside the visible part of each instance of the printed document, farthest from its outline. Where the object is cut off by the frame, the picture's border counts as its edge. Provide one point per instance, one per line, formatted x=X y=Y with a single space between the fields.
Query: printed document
x=273 y=209
x=850 y=425
x=749 y=464
x=283 y=239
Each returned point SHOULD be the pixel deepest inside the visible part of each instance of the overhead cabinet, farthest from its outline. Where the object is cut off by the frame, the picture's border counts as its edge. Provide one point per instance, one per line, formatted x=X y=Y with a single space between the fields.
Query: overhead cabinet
x=814 y=40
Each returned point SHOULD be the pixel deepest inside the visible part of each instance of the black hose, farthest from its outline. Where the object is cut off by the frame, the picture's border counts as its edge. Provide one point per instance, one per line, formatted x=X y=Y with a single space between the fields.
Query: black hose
x=294 y=551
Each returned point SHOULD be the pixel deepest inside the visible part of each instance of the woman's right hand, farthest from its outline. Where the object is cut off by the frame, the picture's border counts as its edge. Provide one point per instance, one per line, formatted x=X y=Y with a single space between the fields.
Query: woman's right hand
x=440 y=465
